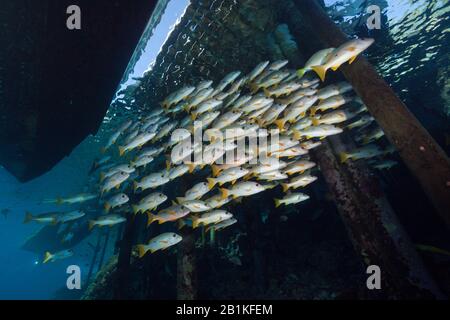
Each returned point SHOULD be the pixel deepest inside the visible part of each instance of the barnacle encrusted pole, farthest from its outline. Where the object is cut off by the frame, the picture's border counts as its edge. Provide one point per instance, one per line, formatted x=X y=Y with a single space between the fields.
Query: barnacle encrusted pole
x=186 y=266
x=370 y=220
x=94 y=258
x=419 y=151
x=121 y=285
x=186 y=259
x=373 y=227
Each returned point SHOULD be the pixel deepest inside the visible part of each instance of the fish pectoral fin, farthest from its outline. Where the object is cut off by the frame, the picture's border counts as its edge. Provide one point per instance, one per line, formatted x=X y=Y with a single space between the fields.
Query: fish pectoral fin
x=352 y=59
x=351 y=48
x=334 y=68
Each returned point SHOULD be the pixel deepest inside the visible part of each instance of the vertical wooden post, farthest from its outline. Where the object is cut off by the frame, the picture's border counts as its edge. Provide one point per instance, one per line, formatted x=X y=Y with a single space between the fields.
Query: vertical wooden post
x=423 y=156
x=123 y=263
x=186 y=266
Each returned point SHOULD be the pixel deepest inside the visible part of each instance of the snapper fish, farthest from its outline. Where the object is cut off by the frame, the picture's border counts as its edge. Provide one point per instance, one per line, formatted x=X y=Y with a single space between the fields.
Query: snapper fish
x=348 y=51
x=299 y=181
x=212 y=217
x=69 y=216
x=107 y=220
x=291 y=198
x=50 y=217
x=316 y=59
x=138 y=141
x=177 y=96
x=64 y=254
x=160 y=242
x=221 y=225
x=150 y=202
x=242 y=189
x=320 y=131
x=172 y=213
x=366 y=152
x=114 y=181
x=116 y=201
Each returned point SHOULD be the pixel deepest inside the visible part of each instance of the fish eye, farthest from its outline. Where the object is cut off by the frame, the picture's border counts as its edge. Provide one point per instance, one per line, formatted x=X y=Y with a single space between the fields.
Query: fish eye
x=174 y=235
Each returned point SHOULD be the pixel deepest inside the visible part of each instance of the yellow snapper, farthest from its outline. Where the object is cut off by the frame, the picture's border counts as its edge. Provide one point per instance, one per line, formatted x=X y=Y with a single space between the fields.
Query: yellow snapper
x=299 y=166
x=196 y=206
x=116 y=201
x=323 y=130
x=316 y=59
x=333 y=90
x=195 y=193
x=64 y=254
x=299 y=181
x=205 y=106
x=228 y=175
x=160 y=242
x=108 y=220
x=153 y=180
x=216 y=201
x=114 y=181
x=334 y=117
x=177 y=96
x=242 y=189
x=257 y=70
x=212 y=217
x=42 y=218
x=138 y=141
x=333 y=102
x=366 y=152
x=150 y=202
x=221 y=225
x=172 y=213
x=291 y=198
x=346 y=52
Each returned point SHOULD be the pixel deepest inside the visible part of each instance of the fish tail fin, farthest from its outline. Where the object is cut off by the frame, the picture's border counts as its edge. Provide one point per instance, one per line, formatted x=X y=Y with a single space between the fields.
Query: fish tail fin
x=102 y=176
x=280 y=123
x=277 y=203
x=47 y=257
x=135 y=186
x=224 y=193
x=107 y=206
x=121 y=151
x=180 y=200
x=168 y=164
x=321 y=71
x=267 y=92
x=313 y=111
x=195 y=222
x=315 y=121
x=135 y=209
x=301 y=72
x=181 y=224
x=211 y=183
x=193 y=116
x=142 y=250
x=59 y=200
x=366 y=140
x=91 y=224
x=344 y=157
x=285 y=187
x=297 y=135
x=28 y=217
x=150 y=218
x=191 y=167
x=215 y=170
